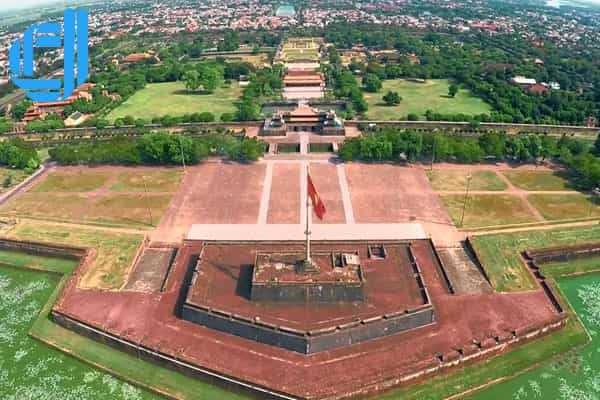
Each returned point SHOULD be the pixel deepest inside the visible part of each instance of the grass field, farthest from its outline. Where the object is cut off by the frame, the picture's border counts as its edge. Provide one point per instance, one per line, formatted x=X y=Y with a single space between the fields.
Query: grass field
x=564 y=206
x=537 y=180
x=417 y=98
x=258 y=60
x=114 y=251
x=500 y=253
x=487 y=210
x=451 y=179
x=158 y=99
x=106 y=196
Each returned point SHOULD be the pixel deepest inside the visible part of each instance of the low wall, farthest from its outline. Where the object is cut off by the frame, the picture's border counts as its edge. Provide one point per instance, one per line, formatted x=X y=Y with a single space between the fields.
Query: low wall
x=442 y=363
x=140 y=351
x=307 y=292
x=484 y=126
x=312 y=341
x=565 y=253
x=309 y=342
x=43 y=249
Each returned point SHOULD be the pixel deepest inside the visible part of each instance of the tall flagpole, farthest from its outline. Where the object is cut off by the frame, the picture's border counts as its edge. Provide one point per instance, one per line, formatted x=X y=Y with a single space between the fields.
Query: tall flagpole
x=307 y=232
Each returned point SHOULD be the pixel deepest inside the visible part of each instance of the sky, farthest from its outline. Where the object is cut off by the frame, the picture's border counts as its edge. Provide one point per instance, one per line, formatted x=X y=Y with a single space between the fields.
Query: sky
x=15 y=4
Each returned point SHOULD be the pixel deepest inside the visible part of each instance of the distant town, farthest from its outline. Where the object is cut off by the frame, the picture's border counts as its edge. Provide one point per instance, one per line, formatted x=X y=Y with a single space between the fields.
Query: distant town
x=300 y=200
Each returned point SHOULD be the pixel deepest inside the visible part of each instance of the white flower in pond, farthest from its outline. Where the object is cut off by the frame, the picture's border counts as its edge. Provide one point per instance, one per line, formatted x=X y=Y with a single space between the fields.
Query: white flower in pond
x=111 y=383
x=571 y=393
x=520 y=394
x=129 y=392
x=590 y=297
x=20 y=354
x=91 y=376
x=535 y=388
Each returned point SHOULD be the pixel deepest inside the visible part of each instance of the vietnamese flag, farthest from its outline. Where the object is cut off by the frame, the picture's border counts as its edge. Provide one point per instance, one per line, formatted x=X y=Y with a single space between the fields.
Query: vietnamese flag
x=317 y=203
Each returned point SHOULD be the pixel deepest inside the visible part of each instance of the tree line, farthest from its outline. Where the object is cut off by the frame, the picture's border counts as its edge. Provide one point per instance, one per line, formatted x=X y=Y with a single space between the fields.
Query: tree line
x=158 y=149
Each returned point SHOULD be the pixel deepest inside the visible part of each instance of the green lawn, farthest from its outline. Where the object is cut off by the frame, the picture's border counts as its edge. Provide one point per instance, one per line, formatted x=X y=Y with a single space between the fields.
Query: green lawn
x=564 y=206
x=537 y=180
x=417 y=98
x=456 y=180
x=500 y=253
x=487 y=210
x=158 y=99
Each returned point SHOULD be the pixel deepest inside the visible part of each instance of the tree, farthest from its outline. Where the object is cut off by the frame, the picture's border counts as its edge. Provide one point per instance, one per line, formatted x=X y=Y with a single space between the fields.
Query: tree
x=230 y=42
x=452 y=90
x=372 y=83
x=5 y=125
x=210 y=77
x=392 y=98
x=192 y=80
x=248 y=110
x=20 y=109
x=227 y=117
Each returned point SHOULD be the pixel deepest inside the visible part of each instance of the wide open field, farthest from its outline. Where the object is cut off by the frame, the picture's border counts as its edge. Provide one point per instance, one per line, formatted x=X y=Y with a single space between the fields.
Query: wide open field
x=158 y=99
x=564 y=206
x=106 y=195
x=420 y=97
x=455 y=180
x=488 y=210
x=537 y=180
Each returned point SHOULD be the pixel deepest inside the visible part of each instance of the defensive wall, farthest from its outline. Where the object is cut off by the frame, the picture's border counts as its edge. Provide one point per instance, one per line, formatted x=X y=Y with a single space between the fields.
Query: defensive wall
x=564 y=253
x=453 y=358
x=465 y=127
x=309 y=342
